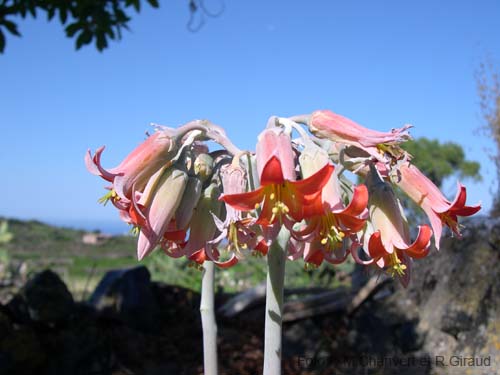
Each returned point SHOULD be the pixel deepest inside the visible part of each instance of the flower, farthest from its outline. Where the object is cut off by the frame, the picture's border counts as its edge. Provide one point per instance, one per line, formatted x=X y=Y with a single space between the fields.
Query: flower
x=136 y=169
x=153 y=209
x=326 y=233
x=387 y=239
x=428 y=196
x=235 y=228
x=199 y=247
x=280 y=196
x=326 y=124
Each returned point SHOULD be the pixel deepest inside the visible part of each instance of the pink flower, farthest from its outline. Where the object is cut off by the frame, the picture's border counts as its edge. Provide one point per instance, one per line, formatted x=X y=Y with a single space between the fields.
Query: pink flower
x=326 y=233
x=387 y=241
x=326 y=124
x=428 y=196
x=280 y=196
x=238 y=230
x=200 y=245
x=135 y=170
x=154 y=209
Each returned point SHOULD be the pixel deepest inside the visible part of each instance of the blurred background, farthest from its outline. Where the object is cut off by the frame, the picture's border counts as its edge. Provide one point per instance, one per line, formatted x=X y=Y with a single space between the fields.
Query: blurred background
x=66 y=85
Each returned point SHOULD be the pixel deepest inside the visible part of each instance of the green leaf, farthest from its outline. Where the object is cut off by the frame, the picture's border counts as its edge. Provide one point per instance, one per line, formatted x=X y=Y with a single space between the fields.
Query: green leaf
x=136 y=4
x=32 y=9
x=154 y=3
x=51 y=13
x=101 y=42
x=85 y=37
x=2 y=41
x=110 y=32
x=71 y=29
x=12 y=27
x=63 y=15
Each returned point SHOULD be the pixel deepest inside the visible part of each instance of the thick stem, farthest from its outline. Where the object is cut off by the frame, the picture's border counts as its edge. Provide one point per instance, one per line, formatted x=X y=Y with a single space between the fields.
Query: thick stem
x=276 y=258
x=208 y=322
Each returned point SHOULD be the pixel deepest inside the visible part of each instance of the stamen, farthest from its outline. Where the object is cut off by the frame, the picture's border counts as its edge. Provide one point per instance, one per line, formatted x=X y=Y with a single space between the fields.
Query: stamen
x=396 y=267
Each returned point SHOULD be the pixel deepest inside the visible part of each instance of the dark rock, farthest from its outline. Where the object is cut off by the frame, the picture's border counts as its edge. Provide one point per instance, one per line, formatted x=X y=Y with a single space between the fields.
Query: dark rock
x=127 y=294
x=21 y=352
x=301 y=338
x=455 y=294
x=44 y=299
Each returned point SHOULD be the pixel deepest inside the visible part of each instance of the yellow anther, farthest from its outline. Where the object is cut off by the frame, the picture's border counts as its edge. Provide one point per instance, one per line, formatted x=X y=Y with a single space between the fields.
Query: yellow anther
x=324 y=241
x=257 y=206
x=396 y=266
x=272 y=196
x=275 y=210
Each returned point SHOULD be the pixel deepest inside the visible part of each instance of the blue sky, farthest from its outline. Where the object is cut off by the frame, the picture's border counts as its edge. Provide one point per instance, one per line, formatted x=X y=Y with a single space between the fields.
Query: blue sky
x=380 y=63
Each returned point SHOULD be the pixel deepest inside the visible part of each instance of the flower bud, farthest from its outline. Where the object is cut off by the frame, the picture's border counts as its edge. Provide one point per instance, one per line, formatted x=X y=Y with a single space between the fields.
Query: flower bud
x=189 y=201
x=166 y=197
x=203 y=166
x=203 y=228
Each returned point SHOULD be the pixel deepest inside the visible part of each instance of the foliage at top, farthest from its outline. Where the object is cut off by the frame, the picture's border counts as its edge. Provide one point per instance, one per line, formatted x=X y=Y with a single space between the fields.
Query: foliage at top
x=88 y=20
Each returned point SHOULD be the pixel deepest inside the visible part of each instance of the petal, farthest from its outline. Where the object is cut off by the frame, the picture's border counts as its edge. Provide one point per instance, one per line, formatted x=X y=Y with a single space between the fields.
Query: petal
x=93 y=165
x=357 y=259
x=215 y=258
x=176 y=235
x=436 y=224
x=314 y=183
x=352 y=224
x=244 y=201
x=146 y=243
x=458 y=206
x=331 y=258
x=358 y=202
x=420 y=247
x=376 y=248
x=306 y=232
x=274 y=143
x=272 y=172
x=313 y=255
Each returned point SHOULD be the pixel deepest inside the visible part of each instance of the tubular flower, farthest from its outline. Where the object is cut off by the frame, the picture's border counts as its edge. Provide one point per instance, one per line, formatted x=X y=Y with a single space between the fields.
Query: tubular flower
x=327 y=233
x=174 y=238
x=428 y=196
x=280 y=196
x=203 y=229
x=388 y=240
x=236 y=229
x=326 y=124
x=137 y=167
x=156 y=207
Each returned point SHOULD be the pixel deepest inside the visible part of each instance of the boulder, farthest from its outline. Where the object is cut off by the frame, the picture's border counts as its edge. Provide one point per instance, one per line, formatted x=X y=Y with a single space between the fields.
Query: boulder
x=127 y=294
x=44 y=299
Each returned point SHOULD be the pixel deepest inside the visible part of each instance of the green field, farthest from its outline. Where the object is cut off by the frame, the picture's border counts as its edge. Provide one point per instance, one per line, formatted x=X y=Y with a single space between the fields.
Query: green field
x=37 y=246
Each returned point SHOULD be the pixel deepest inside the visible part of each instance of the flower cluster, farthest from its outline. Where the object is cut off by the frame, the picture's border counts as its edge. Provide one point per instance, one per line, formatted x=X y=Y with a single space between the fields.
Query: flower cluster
x=221 y=205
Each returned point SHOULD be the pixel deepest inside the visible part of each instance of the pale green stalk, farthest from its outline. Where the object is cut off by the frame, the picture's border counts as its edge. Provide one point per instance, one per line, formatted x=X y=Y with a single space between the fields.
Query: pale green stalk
x=276 y=258
x=208 y=323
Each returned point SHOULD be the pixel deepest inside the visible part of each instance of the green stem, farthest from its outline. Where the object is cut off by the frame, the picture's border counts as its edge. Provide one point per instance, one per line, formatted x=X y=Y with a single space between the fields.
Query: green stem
x=208 y=322
x=276 y=259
